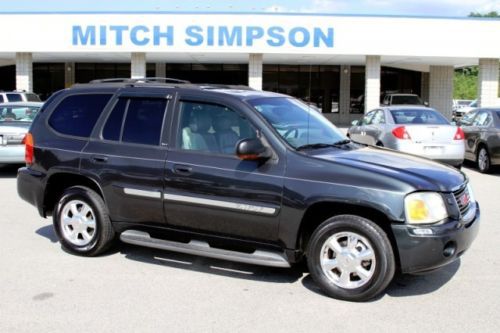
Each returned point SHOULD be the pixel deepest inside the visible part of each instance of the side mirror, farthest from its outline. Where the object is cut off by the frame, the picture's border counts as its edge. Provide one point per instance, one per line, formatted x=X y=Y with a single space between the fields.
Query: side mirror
x=252 y=150
x=355 y=123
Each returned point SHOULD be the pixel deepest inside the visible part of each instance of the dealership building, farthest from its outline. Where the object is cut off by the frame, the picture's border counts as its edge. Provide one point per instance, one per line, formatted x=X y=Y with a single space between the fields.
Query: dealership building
x=340 y=63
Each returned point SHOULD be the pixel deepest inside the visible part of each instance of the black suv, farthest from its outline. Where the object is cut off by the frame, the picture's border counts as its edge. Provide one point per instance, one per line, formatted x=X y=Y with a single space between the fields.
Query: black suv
x=238 y=174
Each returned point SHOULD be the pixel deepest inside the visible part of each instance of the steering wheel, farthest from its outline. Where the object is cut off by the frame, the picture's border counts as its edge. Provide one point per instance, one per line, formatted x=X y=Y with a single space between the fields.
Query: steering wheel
x=288 y=133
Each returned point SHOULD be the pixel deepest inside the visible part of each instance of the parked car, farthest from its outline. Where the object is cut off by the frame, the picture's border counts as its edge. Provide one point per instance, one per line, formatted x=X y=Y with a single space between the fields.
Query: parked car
x=416 y=130
x=243 y=175
x=18 y=96
x=482 y=137
x=402 y=99
x=460 y=112
x=15 y=120
x=460 y=103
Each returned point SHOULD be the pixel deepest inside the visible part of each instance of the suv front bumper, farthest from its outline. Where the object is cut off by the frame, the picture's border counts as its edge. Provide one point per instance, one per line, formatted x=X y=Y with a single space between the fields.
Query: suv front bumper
x=425 y=248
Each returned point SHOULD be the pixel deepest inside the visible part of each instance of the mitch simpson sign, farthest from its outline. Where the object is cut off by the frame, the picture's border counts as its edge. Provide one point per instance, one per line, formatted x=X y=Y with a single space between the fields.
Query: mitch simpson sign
x=200 y=36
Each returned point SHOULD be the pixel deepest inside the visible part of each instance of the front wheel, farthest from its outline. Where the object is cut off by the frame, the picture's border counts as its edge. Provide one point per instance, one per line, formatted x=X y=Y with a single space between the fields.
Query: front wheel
x=82 y=223
x=350 y=258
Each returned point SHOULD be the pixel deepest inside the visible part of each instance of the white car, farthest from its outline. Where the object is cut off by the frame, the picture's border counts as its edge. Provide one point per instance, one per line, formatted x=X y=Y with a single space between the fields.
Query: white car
x=15 y=120
x=416 y=130
x=18 y=96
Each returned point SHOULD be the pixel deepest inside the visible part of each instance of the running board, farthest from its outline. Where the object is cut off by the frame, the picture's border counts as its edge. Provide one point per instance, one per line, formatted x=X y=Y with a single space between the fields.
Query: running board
x=258 y=257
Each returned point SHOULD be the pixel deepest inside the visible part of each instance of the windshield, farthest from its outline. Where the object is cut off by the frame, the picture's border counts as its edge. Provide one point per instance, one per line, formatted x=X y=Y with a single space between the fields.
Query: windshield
x=295 y=122
x=406 y=99
x=427 y=117
x=19 y=113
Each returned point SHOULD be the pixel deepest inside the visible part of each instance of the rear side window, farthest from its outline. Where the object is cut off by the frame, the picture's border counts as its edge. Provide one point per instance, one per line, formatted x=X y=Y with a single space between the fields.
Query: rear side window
x=77 y=114
x=144 y=120
x=113 y=125
x=14 y=98
x=32 y=98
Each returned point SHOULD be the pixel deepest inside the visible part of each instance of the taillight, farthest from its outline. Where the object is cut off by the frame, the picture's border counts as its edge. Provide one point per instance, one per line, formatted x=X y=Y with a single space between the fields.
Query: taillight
x=459 y=135
x=401 y=133
x=28 y=149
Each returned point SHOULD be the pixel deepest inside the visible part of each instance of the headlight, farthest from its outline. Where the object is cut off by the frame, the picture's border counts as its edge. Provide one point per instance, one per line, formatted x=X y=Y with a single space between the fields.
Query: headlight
x=424 y=208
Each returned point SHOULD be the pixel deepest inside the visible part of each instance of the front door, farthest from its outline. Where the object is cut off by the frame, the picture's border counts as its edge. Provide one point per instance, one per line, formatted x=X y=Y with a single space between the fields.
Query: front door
x=207 y=187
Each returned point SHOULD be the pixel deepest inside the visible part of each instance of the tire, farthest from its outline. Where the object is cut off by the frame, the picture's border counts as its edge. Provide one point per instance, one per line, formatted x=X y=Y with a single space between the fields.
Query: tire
x=86 y=235
x=378 y=268
x=483 y=160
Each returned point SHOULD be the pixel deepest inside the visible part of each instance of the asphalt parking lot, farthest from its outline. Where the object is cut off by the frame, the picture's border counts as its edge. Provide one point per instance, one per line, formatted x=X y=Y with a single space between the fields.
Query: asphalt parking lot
x=139 y=289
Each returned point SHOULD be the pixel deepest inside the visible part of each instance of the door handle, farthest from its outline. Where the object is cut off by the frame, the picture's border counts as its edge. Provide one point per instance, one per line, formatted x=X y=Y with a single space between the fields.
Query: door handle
x=183 y=170
x=99 y=158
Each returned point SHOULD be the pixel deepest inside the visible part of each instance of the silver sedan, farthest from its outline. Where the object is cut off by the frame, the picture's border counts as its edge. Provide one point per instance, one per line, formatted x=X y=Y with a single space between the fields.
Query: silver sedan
x=15 y=120
x=420 y=131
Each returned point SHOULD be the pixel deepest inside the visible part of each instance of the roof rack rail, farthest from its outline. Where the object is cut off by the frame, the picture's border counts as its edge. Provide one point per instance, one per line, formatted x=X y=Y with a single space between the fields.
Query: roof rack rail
x=141 y=80
x=209 y=86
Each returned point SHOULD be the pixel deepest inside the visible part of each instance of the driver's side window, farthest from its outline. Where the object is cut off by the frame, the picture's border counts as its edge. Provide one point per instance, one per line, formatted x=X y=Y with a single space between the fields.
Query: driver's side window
x=211 y=128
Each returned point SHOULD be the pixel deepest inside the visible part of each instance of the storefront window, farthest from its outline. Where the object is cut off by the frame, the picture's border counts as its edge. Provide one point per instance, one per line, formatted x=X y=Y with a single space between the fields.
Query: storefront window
x=316 y=85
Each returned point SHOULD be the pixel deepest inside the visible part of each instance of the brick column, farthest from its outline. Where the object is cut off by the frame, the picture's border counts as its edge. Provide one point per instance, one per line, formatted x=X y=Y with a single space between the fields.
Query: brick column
x=255 y=71
x=138 y=65
x=160 y=69
x=441 y=89
x=24 y=71
x=424 y=86
x=487 y=85
x=69 y=74
x=372 y=83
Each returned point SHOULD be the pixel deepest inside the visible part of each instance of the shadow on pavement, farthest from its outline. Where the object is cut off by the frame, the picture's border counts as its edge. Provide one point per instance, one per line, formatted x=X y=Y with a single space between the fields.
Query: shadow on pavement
x=48 y=232
x=211 y=266
x=9 y=171
x=406 y=285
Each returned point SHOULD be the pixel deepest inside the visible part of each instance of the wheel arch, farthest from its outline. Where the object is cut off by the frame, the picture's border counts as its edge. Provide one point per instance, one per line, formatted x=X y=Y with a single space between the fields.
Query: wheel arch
x=58 y=182
x=318 y=212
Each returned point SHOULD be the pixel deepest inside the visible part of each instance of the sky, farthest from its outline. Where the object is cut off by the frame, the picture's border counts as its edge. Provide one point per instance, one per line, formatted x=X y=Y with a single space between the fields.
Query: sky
x=451 y=8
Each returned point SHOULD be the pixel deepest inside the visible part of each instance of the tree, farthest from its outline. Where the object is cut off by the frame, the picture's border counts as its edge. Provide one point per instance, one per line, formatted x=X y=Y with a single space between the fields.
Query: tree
x=490 y=14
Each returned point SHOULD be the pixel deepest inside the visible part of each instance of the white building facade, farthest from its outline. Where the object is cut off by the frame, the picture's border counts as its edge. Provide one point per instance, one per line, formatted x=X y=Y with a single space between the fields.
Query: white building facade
x=333 y=61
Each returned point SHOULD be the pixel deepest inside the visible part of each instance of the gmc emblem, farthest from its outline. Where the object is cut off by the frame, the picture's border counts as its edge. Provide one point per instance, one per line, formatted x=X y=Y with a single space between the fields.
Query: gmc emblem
x=464 y=199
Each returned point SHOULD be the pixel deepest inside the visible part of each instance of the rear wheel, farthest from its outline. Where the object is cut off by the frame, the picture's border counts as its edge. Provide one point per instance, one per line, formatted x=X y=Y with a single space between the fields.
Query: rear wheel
x=350 y=258
x=82 y=223
x=483 y=160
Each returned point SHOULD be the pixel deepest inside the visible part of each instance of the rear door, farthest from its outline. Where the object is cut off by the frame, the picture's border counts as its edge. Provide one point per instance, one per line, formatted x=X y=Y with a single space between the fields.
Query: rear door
x=127 y=156
x=374 y=129
x=207 y=187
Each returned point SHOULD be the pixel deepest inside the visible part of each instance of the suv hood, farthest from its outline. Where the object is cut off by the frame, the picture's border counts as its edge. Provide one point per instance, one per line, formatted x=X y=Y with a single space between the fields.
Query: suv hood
x=420 y=173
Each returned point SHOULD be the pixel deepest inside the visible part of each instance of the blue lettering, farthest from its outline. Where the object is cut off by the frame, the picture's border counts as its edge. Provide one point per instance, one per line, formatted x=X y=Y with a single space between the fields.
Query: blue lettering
x=319 y=36
x=135 y=38
x=210 y=35
x=168 y=35
x=297 y=42
x=102 y=35
x=195 y=36
x=82 y=38
x=254 y=33
x=119 y=30
x=276 y=36
x=227 y=37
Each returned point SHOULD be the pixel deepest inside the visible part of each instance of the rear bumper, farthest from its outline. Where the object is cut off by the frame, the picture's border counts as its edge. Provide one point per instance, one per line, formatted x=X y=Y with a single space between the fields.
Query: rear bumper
x=11 y=154
x=30 y=187
x=446 y=153
x=424 y=252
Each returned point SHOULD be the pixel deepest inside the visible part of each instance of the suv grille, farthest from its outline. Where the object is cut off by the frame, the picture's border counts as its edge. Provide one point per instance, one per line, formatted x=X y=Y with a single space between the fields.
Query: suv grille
x=462 y=198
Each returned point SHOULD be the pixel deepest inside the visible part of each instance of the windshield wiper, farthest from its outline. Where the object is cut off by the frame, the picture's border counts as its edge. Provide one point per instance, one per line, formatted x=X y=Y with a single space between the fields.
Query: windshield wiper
x=336 y=144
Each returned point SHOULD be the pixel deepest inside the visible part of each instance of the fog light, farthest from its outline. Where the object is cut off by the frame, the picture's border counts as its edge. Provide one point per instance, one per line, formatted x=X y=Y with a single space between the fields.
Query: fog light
x=421 y=232
x=449 y=249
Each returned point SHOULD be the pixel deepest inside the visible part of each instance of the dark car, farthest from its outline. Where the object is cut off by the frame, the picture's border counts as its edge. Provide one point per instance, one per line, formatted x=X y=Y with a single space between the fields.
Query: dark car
x=250 y=176
x=482 y=137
